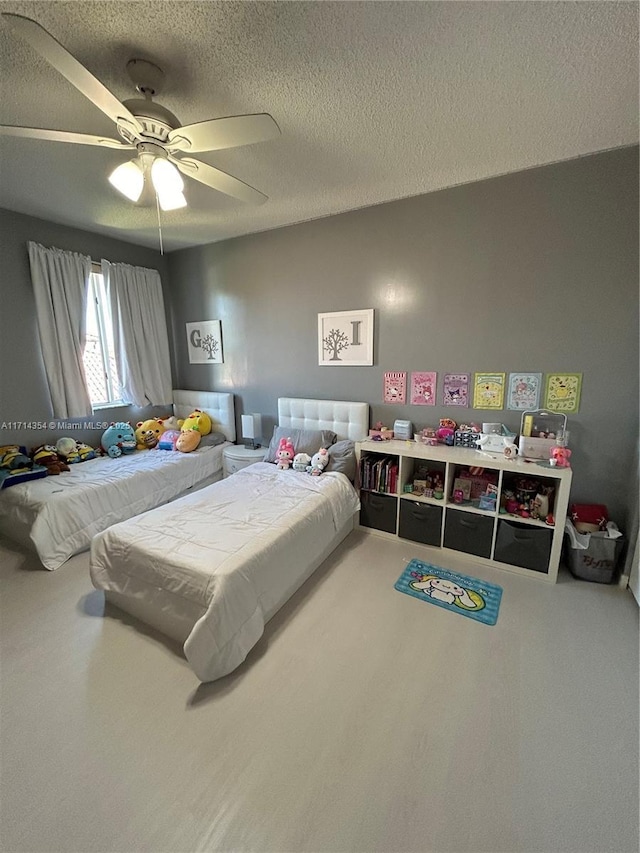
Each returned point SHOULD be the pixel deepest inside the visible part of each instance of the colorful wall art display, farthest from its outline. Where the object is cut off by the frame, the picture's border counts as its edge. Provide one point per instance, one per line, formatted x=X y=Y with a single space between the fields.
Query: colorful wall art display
x=423 y=388
x=524 y=391
x=455 y=390
x=488 y=390
x=563 y=392
x=395 y=387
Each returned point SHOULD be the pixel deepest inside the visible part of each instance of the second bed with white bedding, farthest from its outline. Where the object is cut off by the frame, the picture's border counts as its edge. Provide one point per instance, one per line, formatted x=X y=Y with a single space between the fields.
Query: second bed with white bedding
x=211 y=568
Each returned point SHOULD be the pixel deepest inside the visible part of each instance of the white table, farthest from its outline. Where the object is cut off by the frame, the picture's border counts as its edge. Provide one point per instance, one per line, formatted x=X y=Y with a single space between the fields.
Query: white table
x=237 y=456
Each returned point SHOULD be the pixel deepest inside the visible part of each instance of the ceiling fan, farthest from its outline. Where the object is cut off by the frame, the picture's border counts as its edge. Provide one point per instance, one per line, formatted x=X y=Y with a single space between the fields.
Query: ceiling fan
x=148 y=128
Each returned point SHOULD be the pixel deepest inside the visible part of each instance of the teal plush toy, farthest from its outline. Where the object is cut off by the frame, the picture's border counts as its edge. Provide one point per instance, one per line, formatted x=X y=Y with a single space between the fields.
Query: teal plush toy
x=118 y=439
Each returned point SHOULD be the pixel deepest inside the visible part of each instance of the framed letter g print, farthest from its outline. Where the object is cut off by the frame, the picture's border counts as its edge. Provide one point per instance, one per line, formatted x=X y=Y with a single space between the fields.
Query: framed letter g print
x=345 y=338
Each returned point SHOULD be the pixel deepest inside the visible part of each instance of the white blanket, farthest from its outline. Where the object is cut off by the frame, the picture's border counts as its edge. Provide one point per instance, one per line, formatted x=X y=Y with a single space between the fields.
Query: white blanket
x=61 y=514
x=235 y=551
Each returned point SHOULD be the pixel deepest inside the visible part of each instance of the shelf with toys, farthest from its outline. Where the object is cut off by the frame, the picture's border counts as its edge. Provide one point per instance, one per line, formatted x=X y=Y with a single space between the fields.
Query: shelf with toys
x=496 y=508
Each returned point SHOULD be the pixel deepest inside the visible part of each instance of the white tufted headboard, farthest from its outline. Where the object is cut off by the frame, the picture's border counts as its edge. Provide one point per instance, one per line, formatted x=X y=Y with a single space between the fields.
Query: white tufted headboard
x=347 y=420
x=218 y=406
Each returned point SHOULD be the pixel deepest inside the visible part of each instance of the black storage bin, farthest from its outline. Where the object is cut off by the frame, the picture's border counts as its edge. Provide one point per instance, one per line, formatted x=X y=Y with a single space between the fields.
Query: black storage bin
x=523 y=545
x=468 y=532
x=378 y=511
x=420 y=522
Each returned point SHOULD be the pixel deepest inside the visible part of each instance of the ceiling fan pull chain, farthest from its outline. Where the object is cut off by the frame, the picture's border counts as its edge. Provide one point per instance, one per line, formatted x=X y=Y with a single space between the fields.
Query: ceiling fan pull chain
x=159 y=224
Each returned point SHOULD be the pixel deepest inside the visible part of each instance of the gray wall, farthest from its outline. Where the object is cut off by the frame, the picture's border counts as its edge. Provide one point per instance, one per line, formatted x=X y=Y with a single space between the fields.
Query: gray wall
x=24 y=395
x=535 y=271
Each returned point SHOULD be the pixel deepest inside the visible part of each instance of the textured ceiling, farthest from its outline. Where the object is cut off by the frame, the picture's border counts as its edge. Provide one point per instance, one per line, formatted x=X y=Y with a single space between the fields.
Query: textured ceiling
x=375 y=100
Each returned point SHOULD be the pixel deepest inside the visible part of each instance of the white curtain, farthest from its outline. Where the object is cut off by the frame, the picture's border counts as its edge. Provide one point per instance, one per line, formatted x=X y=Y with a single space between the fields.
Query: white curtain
x=60 y=287
x=140 y=335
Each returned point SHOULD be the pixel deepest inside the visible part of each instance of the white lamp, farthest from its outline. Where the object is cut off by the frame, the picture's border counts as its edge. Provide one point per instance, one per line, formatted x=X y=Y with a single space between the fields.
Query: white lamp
x=252 y=428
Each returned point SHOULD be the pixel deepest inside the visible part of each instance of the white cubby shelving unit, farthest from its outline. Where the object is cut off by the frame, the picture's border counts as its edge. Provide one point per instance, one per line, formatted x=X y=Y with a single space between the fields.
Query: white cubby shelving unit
x=528 y=546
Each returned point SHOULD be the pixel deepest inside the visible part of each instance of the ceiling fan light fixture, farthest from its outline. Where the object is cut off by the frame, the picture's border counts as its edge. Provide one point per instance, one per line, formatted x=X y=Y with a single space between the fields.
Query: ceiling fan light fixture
x=171 y=200
x=165 y=177
x=128 y=179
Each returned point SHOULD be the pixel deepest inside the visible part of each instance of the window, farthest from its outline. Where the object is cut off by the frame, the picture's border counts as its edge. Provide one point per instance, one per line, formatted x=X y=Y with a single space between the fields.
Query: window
x=98 y=357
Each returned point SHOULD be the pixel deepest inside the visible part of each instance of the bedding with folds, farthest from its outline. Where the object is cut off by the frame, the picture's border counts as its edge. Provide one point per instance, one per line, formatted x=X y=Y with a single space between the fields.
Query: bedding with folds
x=233 y=552
x=62 y=514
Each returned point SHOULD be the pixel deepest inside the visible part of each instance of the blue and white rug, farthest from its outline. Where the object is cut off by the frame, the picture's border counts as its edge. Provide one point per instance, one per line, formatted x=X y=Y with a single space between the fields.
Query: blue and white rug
x=458 y=593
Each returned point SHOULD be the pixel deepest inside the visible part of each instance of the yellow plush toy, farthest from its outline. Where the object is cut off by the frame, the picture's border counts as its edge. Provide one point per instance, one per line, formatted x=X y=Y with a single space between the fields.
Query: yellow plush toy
x=148 y=433
x=197 y=420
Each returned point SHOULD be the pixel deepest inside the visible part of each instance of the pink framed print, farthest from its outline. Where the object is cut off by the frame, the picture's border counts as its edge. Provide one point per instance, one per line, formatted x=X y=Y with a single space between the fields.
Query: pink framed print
x=423 y=388
x=395 y=387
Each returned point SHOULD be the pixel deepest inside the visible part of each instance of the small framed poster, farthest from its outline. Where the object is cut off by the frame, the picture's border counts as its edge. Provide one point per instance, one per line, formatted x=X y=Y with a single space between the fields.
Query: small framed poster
x=563 y=392
x=455 y=389
x=488 y=390
x=524 y=391
x=395 y=387
x=204 y=342
x=345 y=338
x=423 y=388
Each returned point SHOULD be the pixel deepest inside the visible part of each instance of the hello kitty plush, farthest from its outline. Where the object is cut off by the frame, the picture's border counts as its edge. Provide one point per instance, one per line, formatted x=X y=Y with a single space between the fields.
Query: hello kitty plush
x=319 y=462
x=285 y=454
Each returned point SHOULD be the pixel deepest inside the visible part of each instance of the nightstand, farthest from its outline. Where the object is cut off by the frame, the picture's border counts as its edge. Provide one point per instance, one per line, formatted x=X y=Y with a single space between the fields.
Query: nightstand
x=237 y=456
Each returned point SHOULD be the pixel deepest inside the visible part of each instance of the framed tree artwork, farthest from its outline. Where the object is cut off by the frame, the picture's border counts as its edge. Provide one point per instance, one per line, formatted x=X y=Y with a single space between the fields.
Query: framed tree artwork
x=345 y=338
x=204 y=342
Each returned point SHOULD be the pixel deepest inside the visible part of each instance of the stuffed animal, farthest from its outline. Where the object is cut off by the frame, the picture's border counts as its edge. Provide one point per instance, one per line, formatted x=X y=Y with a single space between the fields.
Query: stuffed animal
x=73 y=451
x=16 y=467
x=561 y=455
x=168 y=439
x=85 y=451
x=170 y=423
x=301 y=462
x=197 y=420
x=12 y=458
x=285 y=454
x=319 y=462
x=117 y=439
x=188 y=440
x=148 y=433
x=47 y=455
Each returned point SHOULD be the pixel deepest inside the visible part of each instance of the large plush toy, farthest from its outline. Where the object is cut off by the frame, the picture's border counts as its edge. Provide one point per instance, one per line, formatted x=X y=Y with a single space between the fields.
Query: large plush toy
x=118 y=439
x=319 y=462
x=188 y=440
x=148 y=433
x=561 y=455
x=301 y=462
x=47 y=455
x=197 y=420
x=285 y=454
x=73 y=451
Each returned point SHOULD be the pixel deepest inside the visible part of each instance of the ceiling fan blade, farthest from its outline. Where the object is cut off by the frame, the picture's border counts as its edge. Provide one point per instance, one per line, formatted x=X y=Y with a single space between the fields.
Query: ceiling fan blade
x=220 y=133
x=58 y=56
x=217 y=180
x=63 y=136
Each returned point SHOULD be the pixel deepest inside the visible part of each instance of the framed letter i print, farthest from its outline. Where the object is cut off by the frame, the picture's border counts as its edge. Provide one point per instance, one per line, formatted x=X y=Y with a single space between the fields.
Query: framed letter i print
x=345 y=338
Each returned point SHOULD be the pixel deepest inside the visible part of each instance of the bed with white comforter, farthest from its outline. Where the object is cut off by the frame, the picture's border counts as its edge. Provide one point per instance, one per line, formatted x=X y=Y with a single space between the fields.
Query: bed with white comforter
x=229 y=556
x=59 y=515
x=212 y=568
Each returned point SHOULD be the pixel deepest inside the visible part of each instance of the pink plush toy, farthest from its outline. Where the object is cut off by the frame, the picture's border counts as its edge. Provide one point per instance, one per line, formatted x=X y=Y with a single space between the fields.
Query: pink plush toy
x=561 y=455
x=285 y=454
